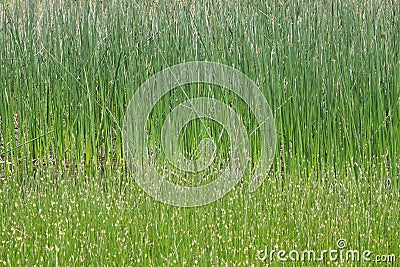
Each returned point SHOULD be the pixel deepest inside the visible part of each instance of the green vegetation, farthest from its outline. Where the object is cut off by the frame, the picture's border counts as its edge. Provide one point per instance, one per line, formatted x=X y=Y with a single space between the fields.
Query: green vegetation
x=330 y=71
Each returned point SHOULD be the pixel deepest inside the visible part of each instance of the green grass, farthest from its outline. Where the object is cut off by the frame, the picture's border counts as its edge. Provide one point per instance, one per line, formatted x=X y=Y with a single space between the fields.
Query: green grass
x=330 y=71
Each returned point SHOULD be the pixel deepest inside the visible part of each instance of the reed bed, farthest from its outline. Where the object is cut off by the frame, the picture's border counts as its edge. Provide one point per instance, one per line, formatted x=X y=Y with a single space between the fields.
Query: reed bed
x=329 y=70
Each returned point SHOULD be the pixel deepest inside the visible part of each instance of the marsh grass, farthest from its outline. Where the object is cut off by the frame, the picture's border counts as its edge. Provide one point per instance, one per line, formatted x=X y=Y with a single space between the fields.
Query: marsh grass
x=329 y=70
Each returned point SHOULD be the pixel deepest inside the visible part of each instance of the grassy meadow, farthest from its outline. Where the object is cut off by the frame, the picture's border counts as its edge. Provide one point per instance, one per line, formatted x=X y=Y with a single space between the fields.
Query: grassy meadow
x=330 y=71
